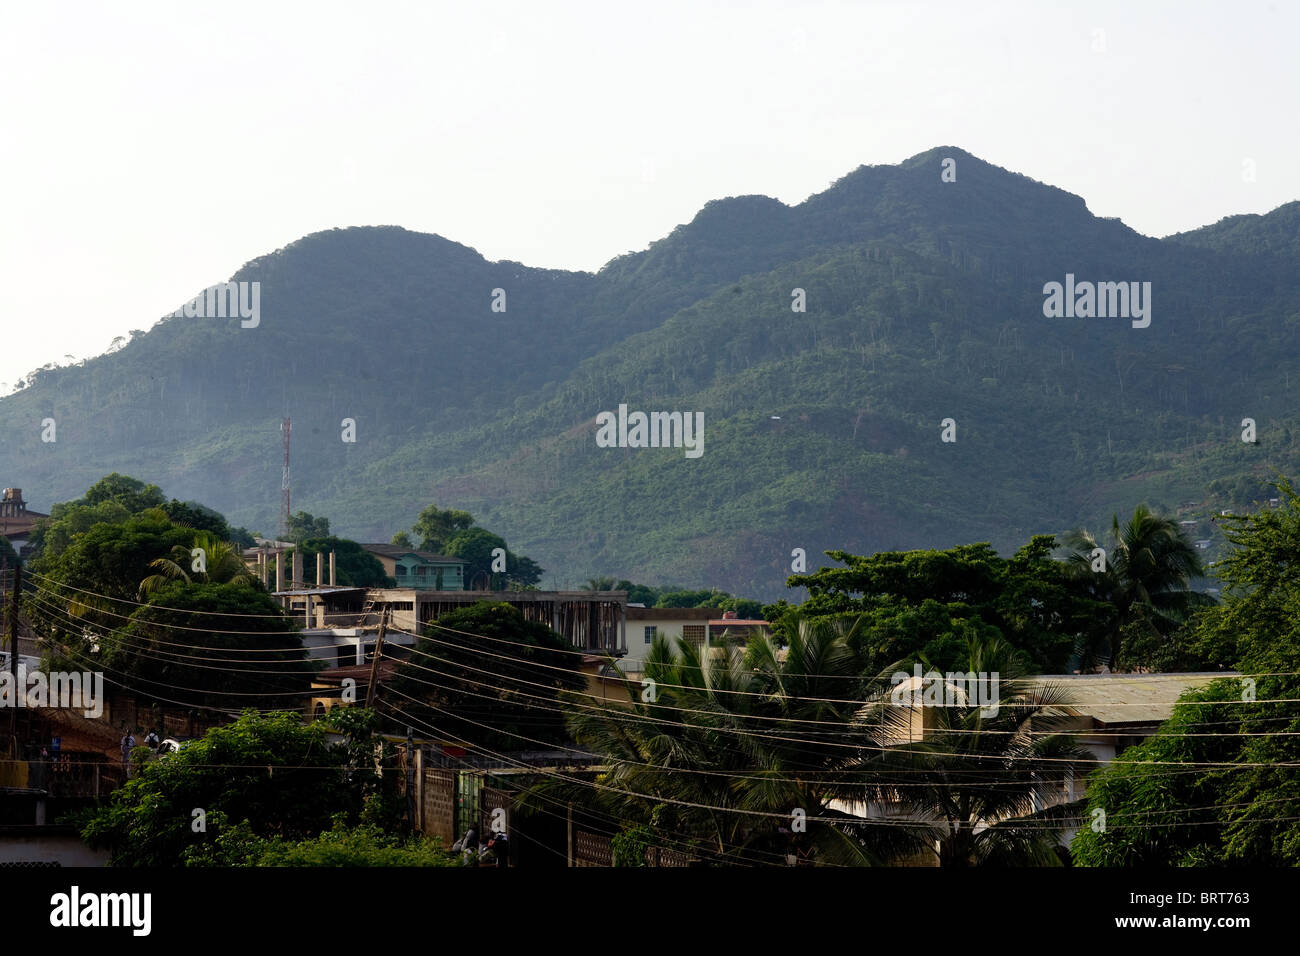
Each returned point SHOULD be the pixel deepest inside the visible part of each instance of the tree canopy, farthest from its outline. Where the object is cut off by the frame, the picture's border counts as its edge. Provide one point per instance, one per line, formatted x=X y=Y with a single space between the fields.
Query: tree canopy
x=934 y=602
x=1242 y=806
x=263 y=776
x=206 y=644
x=485 y=675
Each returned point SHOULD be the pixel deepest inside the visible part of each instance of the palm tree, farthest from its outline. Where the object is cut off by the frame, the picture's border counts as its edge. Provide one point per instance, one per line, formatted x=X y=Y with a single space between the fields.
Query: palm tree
x=223 y=561
x=982 y=785
x=733 y=747
x=1149 y=566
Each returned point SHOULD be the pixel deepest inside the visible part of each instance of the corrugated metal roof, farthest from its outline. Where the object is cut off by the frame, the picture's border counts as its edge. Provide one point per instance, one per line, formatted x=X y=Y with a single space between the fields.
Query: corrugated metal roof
x=1127 y=698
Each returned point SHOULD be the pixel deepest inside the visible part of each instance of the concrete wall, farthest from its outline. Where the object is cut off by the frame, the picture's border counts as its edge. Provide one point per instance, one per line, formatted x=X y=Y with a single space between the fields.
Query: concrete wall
x=47 y=845
x=669 y=622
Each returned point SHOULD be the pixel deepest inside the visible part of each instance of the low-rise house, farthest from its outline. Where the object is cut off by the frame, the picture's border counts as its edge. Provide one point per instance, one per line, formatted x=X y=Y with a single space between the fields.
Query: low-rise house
x=644 y=624
x=16 y=521
x=1107 y=714
x=346 y=685
x=732 y=627
x=421 y=570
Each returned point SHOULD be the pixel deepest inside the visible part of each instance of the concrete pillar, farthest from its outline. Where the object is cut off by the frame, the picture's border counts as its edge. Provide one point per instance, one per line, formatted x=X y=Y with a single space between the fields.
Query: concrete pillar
x=320 y=569
x=279 y=570
x=332 y=582
x=297 y=579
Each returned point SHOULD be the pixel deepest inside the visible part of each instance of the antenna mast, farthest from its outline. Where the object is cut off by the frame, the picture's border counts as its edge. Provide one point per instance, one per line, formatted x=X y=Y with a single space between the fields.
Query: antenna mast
x=284 y=485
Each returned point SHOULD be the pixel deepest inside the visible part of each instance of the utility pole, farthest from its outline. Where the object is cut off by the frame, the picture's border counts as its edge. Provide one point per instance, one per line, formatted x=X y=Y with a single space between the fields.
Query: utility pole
x=4 y=579
x=410 y=777
x=13 y=655
x=371 y=692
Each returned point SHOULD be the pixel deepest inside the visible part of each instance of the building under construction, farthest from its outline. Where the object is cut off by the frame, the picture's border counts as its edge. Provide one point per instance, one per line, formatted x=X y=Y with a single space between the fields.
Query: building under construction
x=341 y=622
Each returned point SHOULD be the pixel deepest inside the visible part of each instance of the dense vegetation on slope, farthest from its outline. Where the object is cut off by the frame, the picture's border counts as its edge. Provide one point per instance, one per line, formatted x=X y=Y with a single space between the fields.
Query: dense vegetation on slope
x=822 y=428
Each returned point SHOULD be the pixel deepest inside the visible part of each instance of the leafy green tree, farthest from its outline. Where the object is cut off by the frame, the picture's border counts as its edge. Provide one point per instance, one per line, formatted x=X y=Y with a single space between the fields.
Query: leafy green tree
x=353 y=565
x=744 y=607
x=453 y=533
x=933 y=602
x=132 y=494
x=94 y=580
x=1149 y=567
x=485 y=675
x=1247 y=811
x=275 y=774
x=191 y=514
x=403 y=540
x=436 y=527
x=112 y=499
x=700 y=598
x=342 y=845
x=166 y=650
x=475 y=546
x=303 y=525
x=522 y=572
x=222 y=563
x=1140 y=814
x=636 y=593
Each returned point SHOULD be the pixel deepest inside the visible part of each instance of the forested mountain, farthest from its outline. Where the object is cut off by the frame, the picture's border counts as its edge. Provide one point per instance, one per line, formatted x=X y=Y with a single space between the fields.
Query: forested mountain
x=924 y=301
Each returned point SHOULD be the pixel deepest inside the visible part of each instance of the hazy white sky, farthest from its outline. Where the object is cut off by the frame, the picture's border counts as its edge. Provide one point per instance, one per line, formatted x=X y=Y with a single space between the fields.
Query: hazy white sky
x=148 y=150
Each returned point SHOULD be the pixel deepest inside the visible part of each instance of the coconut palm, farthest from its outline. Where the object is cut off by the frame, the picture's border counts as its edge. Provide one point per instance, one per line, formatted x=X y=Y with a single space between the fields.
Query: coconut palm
x=223 y=560
x=734 y=753
x=1149 y=566
x=984 y=783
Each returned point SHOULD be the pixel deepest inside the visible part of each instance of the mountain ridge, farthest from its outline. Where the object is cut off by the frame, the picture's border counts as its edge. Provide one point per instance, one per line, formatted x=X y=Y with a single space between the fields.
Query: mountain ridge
x=923 y=301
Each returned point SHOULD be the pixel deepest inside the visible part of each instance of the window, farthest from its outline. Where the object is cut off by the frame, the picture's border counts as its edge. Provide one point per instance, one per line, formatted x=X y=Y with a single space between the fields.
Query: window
x=421 y=571
x=399 y=571
x=650 y=633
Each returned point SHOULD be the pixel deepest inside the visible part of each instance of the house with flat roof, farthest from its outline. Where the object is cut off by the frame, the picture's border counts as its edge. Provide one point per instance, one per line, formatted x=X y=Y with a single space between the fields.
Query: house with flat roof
x=594 y=621
x=644 y=624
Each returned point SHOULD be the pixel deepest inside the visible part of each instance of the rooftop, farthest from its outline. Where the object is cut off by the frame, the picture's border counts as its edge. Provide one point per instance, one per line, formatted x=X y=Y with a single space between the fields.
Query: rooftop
x=1127 y=698
x=396 y=551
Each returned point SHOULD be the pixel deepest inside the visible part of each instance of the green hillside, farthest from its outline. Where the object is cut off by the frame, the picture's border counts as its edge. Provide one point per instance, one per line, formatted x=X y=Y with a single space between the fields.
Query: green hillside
x=924 y=301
